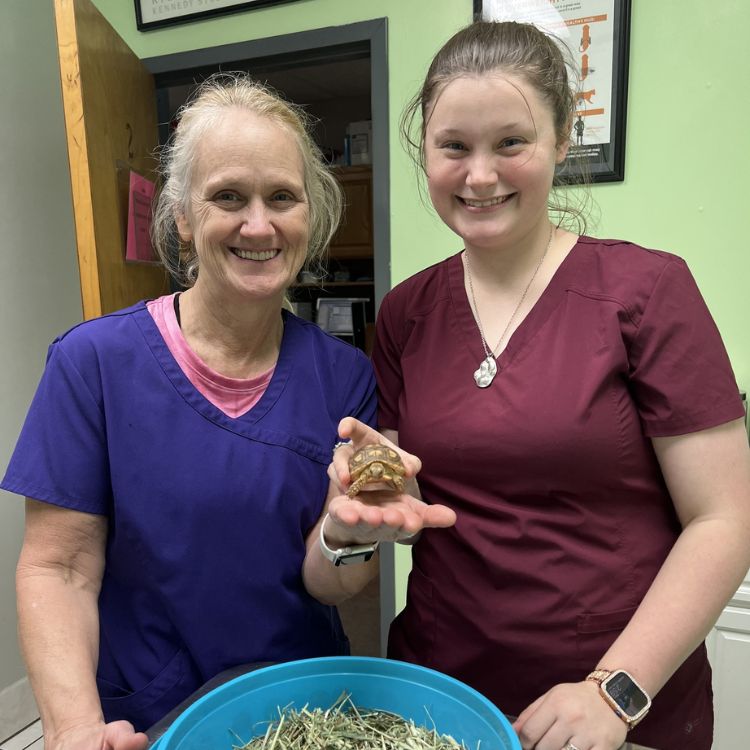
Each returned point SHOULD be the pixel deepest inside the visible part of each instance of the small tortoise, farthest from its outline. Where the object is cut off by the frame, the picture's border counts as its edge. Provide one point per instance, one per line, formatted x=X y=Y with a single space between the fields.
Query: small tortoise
x=375 y=463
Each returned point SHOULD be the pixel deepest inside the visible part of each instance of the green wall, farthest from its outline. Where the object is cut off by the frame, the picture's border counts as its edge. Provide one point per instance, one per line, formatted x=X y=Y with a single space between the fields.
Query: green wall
x=687 y=153
x=687 y=156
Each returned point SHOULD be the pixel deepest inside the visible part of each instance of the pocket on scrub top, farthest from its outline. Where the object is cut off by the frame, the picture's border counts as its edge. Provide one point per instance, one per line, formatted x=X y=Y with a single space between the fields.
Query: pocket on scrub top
x=602 y=622
x=597 y=631
x=145 y=706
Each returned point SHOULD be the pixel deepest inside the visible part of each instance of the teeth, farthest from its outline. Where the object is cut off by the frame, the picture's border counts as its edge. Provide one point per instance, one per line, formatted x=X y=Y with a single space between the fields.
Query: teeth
x=483 y=204
x=254 y=254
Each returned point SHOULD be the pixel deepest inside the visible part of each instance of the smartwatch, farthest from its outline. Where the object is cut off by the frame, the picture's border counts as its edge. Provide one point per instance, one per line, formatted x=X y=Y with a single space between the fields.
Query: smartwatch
x=346 y=555
x=624 y=695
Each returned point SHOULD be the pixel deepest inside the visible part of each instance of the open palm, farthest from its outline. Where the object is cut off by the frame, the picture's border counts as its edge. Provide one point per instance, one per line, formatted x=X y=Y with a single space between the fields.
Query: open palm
x=378 y=512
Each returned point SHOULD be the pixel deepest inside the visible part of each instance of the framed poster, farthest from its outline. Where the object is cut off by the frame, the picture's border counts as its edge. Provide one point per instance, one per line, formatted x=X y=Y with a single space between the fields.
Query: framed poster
x=155 y=14
x=597 y=35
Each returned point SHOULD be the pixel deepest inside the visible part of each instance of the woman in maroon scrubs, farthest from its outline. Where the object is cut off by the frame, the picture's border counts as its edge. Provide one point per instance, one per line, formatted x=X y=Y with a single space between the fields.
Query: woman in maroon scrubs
x=570 y=398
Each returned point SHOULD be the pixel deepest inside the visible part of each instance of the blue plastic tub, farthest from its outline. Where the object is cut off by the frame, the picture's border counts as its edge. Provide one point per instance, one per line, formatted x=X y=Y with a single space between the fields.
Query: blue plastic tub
x=245 y=704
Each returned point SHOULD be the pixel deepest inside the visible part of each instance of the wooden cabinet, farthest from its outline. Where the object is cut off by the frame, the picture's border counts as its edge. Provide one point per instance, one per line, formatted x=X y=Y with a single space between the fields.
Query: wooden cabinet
x=350 y=262
x=354 y=237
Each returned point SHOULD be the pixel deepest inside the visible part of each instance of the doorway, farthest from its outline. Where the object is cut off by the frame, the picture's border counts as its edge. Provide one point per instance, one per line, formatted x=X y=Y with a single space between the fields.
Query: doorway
x=305 y=66
x=334 y=91
x=340 y=75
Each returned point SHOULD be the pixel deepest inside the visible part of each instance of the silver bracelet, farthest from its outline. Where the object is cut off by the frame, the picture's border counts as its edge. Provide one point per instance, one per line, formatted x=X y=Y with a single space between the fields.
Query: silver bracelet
x=339 y=444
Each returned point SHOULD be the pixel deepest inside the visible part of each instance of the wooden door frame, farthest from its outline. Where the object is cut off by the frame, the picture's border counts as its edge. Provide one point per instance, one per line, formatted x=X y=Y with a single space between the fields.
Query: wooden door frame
x=320 y=45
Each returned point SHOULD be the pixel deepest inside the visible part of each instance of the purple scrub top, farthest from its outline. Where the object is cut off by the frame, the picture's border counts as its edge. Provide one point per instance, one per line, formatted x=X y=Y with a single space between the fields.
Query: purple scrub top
x=207 y=514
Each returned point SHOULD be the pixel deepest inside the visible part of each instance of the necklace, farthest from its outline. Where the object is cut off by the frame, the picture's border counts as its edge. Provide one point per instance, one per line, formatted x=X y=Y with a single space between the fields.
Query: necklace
x=488 y=366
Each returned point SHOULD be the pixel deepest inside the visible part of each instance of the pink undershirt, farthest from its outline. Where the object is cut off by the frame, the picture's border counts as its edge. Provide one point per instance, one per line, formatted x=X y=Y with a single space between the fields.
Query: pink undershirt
x=234 y=396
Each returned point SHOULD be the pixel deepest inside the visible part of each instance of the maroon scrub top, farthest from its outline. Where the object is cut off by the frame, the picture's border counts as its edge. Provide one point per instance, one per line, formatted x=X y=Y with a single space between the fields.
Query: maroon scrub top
x=563 y=515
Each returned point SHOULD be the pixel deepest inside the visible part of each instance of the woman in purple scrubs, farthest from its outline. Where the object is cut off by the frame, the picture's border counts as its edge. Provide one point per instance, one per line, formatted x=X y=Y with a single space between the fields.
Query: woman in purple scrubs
x=175 y=455
x=570 y=398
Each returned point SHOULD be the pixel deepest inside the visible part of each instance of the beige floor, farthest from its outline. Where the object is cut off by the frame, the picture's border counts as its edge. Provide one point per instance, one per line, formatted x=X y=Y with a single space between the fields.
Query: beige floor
x=29 y=738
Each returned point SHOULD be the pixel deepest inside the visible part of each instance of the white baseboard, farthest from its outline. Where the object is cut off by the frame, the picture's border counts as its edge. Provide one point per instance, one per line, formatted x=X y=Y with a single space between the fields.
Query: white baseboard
x=17 y=708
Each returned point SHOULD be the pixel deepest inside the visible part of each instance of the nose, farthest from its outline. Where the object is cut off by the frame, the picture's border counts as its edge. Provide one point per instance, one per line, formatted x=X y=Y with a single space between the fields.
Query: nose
x=481 y=173
x=256 y=221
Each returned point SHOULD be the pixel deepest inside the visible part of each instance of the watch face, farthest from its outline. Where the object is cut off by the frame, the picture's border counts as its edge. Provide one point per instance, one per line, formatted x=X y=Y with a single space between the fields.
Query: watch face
x=362 y=554
x=626 y=694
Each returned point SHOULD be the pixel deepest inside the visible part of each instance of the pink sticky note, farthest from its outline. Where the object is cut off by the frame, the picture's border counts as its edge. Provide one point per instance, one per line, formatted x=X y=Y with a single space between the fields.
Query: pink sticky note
x=138 y=246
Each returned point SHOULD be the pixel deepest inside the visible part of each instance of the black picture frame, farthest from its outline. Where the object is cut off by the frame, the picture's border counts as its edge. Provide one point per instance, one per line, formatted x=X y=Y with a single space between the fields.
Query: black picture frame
x=602 y=159
x=192 y=10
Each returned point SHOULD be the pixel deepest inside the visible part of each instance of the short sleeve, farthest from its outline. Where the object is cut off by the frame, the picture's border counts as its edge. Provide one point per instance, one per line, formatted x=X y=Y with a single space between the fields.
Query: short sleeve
x=386 y=359
x=61 y=454
x=681 y=377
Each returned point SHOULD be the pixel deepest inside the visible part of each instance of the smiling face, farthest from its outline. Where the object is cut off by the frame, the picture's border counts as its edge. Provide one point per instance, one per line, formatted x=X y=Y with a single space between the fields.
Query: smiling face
x=248 y=212
x=490 y=154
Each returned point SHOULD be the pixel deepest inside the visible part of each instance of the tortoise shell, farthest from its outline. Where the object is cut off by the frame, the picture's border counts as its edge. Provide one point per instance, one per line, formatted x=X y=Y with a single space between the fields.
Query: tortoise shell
x=376 y=463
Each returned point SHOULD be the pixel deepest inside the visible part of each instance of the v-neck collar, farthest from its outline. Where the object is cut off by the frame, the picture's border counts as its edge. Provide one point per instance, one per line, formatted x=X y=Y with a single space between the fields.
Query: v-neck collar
x=529 y=325
x=284 y=368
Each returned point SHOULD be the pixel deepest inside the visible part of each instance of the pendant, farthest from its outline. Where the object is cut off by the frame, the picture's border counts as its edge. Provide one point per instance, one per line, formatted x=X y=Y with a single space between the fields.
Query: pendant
x=486 y=372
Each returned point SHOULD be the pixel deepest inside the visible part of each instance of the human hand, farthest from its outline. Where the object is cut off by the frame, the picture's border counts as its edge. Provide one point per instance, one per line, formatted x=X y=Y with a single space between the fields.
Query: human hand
x=377 y=512
x=117 y=735
x=359 y=434
x=570 y=715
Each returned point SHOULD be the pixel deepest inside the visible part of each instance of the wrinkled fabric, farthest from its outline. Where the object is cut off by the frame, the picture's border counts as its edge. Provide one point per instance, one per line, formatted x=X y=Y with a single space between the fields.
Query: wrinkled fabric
x=563 y=516
x=207 y=514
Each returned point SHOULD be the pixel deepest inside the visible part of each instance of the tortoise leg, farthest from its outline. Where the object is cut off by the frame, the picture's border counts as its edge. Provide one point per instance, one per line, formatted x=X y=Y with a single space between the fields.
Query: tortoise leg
x=355 y=487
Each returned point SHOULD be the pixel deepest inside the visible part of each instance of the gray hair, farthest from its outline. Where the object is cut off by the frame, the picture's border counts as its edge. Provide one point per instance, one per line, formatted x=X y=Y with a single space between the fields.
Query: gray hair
x=210 y=101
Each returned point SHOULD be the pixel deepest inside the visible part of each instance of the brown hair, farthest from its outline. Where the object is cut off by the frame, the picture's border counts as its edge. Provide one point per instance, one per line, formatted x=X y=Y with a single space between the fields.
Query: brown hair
x=210 y=101
x=522 y=49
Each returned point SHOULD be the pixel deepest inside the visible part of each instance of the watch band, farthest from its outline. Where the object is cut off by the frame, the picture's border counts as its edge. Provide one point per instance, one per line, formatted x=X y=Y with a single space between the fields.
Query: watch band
x=603 y=676
x=599 y=675
x=345 y=555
